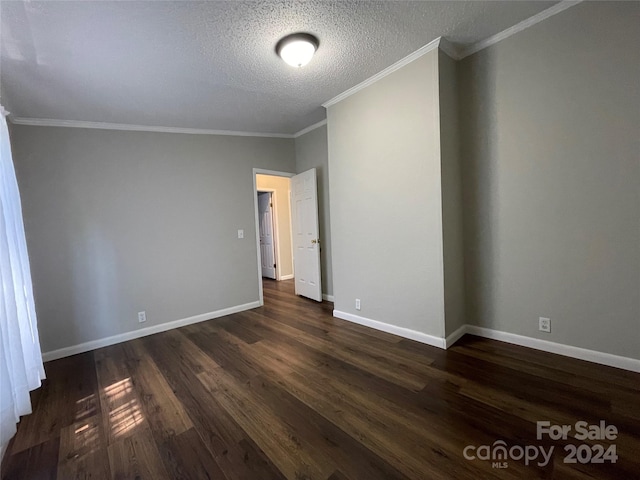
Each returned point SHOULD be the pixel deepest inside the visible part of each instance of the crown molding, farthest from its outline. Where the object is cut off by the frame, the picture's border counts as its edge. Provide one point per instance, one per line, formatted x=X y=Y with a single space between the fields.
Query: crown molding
x=518 y=27
x=49 y=122
x=457 y=53
x=449 y=48
x=310 y=128
x=396 y=66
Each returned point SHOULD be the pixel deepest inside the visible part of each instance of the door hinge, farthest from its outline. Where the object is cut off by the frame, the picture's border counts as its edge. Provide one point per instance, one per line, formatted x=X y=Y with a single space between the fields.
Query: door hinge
x=274 y=265
x=271 y=205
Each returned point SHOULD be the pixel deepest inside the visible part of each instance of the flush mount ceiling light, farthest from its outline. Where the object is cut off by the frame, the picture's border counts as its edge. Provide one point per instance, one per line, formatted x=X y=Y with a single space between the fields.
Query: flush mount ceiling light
x=297 y=49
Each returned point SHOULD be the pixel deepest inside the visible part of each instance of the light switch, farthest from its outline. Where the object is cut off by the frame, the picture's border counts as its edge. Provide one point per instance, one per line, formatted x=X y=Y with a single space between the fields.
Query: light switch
x=240 y=233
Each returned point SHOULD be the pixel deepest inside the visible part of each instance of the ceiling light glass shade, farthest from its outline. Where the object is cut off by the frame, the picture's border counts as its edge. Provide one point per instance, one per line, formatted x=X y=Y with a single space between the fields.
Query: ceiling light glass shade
x=297 y=49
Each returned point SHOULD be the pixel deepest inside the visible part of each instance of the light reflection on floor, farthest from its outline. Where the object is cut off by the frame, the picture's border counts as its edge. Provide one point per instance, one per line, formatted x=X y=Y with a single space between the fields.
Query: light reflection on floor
x=86 y=407
x=86 y=437
x=128 y=414
x=79 y=445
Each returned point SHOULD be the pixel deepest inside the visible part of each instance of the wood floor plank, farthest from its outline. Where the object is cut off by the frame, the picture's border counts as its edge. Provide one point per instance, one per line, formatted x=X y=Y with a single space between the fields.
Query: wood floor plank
x=224 y=353
x=398 y=373
x=234 y=452
x=186 y=457
x=322 y=389
x=256 y=462
x=81 y=455
x=120 y=403
x=553 y=362
x=542 y=369
x=326 y=438
x=68 y=394
x=350 y=339
x=137 y=458
x=247 y=336
x=330 y=370
x=163 y=411
x=255 y=354
x=542 y=391
x=418 y=434
x=39 y=462
x=292 y=455
x=281 y=308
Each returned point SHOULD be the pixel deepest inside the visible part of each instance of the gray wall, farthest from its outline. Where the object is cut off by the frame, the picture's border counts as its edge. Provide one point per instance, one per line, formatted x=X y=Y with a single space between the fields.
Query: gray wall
x=384 y=171
x=452 y=225
x=119 y=222
x=311 y=152
x=551 y=161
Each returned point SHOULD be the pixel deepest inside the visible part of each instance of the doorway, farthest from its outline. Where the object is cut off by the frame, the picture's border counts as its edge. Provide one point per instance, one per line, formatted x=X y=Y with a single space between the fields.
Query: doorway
x=301 y=230
x=268 y=232
x=273 y=226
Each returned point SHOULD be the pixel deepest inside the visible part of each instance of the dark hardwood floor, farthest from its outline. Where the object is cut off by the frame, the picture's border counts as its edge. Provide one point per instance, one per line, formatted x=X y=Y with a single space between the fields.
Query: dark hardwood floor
x=288 y=391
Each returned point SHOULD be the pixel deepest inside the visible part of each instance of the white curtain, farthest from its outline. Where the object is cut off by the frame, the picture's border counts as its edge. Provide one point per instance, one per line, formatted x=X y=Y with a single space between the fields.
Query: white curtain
x=21 y=368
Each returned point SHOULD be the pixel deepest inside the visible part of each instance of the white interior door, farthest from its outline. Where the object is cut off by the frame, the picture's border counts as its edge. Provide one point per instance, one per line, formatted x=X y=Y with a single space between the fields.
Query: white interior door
x=306 y=238
x=265 y=224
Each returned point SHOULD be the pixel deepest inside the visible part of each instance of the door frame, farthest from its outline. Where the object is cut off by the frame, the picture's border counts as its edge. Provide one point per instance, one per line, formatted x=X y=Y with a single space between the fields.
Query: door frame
x=274 y=228
x=275 y=173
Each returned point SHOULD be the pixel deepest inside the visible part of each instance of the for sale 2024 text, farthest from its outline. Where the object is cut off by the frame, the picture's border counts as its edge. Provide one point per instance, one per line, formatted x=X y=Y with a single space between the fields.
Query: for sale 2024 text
x=584 y=453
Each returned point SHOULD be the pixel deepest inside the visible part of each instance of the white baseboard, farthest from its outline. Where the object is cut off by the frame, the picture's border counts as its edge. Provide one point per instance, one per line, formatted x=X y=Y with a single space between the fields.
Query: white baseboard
x=567 y=350
x=286 y=277
x=594 y=356
x=455 y=336
x=386 y=327
x=328 y=298
x=602 y=358
x=143 y=332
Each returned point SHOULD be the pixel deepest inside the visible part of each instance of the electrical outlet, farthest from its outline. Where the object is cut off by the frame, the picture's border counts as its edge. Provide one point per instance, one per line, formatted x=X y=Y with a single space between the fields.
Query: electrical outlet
x=357 y=304
x=544 y=324
x=142 y=317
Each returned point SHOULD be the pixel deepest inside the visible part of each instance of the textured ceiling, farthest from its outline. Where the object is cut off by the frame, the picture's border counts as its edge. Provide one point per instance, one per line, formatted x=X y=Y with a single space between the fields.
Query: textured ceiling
x=212 y=65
